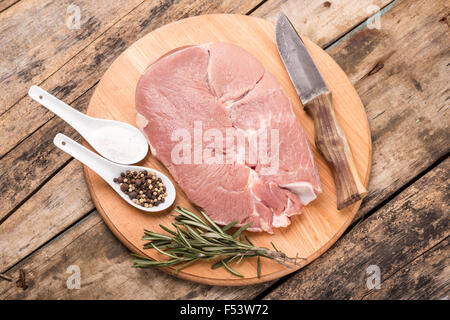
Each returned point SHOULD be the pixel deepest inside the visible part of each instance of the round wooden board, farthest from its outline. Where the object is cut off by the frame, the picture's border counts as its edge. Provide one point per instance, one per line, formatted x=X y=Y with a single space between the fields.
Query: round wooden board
x=310 y=233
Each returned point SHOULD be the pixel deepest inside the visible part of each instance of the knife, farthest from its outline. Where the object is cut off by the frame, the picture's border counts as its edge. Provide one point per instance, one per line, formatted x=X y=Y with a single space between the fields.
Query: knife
x=315 y=96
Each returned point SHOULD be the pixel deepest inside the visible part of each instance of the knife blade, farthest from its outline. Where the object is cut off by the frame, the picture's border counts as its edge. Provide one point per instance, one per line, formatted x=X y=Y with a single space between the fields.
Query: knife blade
x=316 y=99
x=305 y=76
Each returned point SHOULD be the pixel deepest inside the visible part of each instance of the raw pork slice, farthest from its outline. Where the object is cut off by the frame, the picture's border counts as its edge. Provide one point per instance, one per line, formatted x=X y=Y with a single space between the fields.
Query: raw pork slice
x=192 y=96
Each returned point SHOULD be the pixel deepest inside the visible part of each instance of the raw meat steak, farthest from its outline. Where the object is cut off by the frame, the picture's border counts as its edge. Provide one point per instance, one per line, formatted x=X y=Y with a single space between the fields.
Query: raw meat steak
x=220 y=90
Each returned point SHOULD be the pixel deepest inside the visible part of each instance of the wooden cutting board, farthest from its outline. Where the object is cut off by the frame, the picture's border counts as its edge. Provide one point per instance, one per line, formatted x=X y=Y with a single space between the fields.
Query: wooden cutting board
x=311 y=233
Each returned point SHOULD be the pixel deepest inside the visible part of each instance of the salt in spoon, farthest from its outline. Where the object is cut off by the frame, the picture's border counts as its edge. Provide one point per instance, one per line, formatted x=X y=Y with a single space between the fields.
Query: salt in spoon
x=109 y=170
x=117 y=141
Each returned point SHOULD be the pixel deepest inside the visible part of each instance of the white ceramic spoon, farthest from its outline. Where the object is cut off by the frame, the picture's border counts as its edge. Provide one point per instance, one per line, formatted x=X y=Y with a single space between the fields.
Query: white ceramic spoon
x=117 y=141
x=109 y=170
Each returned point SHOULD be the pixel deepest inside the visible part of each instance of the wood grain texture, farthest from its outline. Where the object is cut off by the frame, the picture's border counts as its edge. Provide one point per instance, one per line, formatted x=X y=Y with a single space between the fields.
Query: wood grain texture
x=34 y=161
x=402 y=108
x=72 y=80
x=320 y=223
x=72 y=76
x=83 y=71
x=5 y=4
x=362 y=56
x=106 y=272
x=331 y=141
x=44 y=43
x=425 y=278
x=404 y=229
x=44 y=215
x=321 y=21
x=68 y=83
x=401 y=74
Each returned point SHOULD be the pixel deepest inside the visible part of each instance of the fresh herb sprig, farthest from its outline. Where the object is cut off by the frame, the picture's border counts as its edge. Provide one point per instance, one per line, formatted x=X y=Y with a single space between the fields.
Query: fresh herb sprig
x=195 y=239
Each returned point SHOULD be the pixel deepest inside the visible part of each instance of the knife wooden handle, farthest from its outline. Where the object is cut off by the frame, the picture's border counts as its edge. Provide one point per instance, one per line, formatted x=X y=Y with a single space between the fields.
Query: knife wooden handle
x=331 y=142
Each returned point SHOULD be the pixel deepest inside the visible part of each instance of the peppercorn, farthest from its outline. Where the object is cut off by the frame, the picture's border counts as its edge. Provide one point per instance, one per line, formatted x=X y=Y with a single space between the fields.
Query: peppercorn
x=132 y=194
x=143 y=188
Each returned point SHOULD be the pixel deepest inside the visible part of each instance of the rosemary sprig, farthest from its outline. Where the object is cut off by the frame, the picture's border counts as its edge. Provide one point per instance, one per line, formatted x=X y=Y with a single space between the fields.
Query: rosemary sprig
x=195 y=239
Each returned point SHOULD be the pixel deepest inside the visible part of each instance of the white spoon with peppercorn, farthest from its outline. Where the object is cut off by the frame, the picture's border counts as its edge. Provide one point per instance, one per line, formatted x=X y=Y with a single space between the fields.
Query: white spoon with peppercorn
x=144 y=188
x=117 y=141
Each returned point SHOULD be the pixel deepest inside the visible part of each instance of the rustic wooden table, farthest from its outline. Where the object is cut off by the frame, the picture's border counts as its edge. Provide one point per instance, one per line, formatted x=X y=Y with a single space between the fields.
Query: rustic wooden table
x=399 y=64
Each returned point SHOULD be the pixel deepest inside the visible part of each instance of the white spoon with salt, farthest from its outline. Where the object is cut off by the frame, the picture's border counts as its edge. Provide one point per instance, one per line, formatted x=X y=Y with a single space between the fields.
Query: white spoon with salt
x=109 y=170
x=117 y=141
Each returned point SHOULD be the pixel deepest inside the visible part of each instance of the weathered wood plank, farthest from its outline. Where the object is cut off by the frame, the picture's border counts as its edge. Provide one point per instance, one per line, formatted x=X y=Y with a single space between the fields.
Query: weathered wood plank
x=44 y=215
x=401 y=75
x=397 y=157
x=106 y=272
x=77 y=76
x=358 y=73
x=4 y=4
x=389 y=239
x=322 y=21
x=412 y=223
x=427 y=277
x=34 y=161
x=86 y=66
x=27 y=152
x=35 y=40
x=81 y=72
